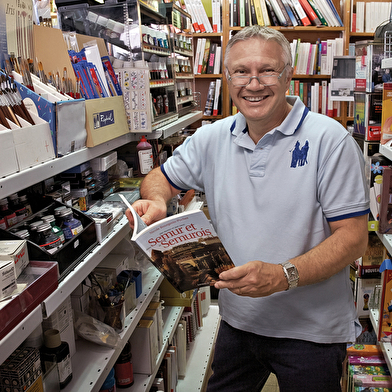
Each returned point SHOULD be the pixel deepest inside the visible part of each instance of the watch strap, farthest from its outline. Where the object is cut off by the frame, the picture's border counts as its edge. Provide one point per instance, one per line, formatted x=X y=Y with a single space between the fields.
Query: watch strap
x=291 y=273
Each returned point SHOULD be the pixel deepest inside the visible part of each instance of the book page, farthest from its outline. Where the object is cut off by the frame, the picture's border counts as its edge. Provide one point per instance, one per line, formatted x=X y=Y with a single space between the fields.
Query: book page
x=138 y=223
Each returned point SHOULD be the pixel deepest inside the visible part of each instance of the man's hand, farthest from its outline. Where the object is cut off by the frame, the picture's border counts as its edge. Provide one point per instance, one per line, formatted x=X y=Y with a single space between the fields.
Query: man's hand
x=253 y=279
x=149 y=210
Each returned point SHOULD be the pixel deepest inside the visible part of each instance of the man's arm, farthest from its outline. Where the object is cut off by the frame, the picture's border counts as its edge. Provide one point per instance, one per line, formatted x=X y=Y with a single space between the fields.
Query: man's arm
x=347 y=242
x=155 y=192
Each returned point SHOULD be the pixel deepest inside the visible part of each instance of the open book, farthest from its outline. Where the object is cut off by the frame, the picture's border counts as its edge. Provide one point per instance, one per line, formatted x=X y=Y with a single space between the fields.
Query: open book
x=184 y=247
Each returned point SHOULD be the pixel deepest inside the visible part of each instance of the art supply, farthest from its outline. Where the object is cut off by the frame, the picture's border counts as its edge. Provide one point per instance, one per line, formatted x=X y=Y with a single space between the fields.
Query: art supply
x=57 y=352
x=145 y=157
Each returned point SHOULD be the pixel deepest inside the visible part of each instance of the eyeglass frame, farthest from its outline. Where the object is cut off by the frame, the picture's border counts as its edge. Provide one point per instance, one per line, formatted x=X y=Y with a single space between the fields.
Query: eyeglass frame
x=230 y=78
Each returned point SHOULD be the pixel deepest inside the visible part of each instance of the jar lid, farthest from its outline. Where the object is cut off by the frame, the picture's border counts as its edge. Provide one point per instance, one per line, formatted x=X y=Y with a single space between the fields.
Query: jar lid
x=22 y=233
x=3 y=202
x=34 y=225
x=23 y=197
x=58 y=210
x=13 y=196
x=52 y=338
x=48 y=218
x=44 y=226
x=65 y=212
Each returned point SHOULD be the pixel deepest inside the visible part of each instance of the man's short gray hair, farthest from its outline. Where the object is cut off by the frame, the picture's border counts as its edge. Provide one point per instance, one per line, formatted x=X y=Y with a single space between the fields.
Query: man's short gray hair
x=263 y=33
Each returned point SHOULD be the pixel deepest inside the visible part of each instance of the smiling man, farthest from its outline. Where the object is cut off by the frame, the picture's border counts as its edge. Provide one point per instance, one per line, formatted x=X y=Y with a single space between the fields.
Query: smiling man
x=286 y=192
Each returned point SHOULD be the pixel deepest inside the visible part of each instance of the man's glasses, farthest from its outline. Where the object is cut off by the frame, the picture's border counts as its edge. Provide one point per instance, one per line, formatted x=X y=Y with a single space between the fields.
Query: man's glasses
x=267 y=79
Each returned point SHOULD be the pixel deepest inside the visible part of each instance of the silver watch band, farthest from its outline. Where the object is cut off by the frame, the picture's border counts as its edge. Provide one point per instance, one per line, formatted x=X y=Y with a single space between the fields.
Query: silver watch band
x=291 y=273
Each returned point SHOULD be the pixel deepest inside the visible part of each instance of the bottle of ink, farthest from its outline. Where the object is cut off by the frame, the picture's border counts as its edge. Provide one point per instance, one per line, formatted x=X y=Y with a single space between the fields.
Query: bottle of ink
x=18 y=207
x=47 y=239
x=26 y=203
x=57 y=352
x=56 y=230
x=70 y=225
x=9 y=215
x=124 y=368
x=144 y=154
x=33 y=230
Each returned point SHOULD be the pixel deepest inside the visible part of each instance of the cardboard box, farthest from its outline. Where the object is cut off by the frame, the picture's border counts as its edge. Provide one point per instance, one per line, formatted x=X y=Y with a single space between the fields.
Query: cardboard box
x=15 y=250
x=62 y=320
x=7 y=278
x=144 y=343
x=21 y=370
x=33 y=143
x=9 y=162
x=172 y=297
x=38 y=280
x=105 y=120
x=364 y=293
x=66 y=119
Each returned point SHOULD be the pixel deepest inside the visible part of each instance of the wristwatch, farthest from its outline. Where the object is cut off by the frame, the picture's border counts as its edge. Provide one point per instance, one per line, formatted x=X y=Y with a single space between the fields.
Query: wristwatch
x=291 y=273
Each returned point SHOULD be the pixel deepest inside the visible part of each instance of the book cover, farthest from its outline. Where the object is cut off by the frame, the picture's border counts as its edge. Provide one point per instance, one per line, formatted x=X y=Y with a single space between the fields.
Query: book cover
x=335 y=12
x=253 y=16
x=184 y=248
x=217 y=63
x=281 y=13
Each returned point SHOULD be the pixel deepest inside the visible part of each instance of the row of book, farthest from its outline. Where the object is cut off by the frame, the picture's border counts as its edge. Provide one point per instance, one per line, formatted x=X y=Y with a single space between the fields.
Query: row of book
x=284 y=13
x=200 y=18
x=207 y=58
x=317 y=58
x=367 y=16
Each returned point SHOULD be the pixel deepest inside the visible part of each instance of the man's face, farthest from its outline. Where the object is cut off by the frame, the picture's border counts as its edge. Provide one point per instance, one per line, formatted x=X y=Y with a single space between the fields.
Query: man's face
x=256 y=102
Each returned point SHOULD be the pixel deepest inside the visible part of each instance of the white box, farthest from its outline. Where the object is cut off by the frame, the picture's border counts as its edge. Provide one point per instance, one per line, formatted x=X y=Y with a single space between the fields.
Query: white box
x=9 y=163
x=7 y=278
x=33 y=143
x=103 y=162
x=62 y=320
x=144 y=343
x=115 y=262
x=364 y=293
x=15 y=250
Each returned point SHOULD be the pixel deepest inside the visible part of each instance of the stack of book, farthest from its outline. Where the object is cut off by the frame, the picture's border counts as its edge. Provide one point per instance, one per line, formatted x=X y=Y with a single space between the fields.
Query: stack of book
x=284 y=13
x=200 y=16
x=366 y=16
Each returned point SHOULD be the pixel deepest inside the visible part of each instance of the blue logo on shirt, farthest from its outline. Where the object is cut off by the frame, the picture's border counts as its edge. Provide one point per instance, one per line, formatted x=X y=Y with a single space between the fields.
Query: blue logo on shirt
x=300 y=154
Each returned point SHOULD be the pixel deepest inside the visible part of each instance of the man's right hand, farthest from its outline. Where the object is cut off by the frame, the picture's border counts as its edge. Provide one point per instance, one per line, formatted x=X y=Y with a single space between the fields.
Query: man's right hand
x=149 y=210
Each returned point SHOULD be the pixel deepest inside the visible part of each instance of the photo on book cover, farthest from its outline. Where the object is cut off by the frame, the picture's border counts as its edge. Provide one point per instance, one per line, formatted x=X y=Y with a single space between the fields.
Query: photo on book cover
x=183 y=247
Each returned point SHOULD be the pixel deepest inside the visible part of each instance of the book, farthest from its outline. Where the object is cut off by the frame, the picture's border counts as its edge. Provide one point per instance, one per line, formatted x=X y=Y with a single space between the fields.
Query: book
x=310 y=13
x=211 y=58
x=264 y=12
x=253 y=16
x=215 y=108
x=217 y=62
x=259 y=13
x=275 y=4
x=210 y=99
x=301 y=13
x=205 y=56
x=183 y=247
x=318 y=12
x=284 y=12
x=271 y=13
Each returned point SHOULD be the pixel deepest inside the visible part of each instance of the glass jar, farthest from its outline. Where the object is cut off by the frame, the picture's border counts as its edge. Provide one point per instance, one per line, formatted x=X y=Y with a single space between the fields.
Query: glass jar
x=47 y=239
x=56 y=230
x=26 y=203
x=18 y=207
x=33 y=230
x=9 y=215
x=24 y=234
x=69 y=224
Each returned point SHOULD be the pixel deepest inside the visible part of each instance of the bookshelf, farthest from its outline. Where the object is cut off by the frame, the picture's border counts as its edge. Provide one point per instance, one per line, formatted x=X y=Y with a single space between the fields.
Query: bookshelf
x=305 y=33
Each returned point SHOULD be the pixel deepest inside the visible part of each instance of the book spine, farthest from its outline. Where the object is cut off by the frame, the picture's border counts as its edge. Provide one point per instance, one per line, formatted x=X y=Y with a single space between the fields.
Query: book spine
x=210 y=100
x=242 y=13
x=217 y=63
x=335 y=11
x=301 y=13
x=278 y=12
x=253 y=16
x=216 y=97
x=201 y=55
x=284 y=12
x=247 y=13
x=205 y=56
x=235 y=12
x=289 y=13
x=310 y=13
x=294 y=11
x=273 y=17
x=259 y=14
x=211 y=58
x=264 y=12
x=197 y=56
x=318 y=12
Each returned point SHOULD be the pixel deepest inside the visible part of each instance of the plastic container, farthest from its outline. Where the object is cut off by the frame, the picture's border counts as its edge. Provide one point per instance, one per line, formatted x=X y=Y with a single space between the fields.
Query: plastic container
x=145 y=157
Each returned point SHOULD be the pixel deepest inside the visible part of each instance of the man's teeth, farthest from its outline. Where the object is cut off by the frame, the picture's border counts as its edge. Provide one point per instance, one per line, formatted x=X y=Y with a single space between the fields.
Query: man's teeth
x=254 y=99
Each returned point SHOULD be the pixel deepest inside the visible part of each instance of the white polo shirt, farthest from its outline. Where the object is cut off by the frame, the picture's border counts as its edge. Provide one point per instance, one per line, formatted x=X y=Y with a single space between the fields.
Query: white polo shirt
x=272 y=201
